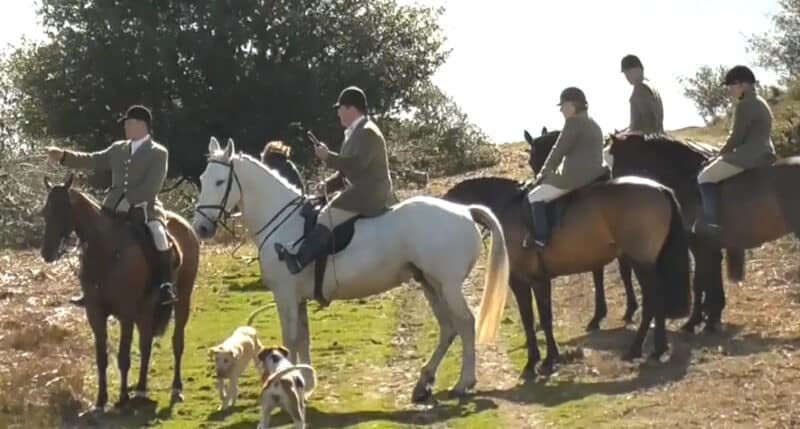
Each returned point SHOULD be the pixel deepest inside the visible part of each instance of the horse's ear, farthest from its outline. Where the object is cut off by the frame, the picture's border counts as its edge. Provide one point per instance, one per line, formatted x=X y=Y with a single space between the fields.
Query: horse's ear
x=68 y=182
x=230 y=149
x=528 y=138
x=544 y=130
x=47 y=183
x=213 y=145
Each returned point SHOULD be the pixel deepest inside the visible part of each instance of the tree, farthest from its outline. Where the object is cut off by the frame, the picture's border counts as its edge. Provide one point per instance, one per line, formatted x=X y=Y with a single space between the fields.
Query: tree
x=230 y=68
x=779 y=49
x=705 y=89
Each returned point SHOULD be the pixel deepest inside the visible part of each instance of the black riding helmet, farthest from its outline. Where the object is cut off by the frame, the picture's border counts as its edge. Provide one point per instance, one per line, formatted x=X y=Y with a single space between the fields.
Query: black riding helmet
x=739 y=74
x=630 y=61
x=574 y=95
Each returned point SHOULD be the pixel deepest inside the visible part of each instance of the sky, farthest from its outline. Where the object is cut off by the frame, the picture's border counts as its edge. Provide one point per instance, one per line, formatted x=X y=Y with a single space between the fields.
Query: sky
x=510 y=59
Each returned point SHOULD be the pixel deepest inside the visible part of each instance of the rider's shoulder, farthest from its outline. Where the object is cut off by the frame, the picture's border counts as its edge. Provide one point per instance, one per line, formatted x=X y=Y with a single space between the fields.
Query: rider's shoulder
x=159 y=147
x=372 y=127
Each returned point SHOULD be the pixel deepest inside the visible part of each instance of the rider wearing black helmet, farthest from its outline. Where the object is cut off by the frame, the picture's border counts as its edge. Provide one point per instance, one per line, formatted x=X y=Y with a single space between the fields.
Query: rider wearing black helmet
x=749 y=145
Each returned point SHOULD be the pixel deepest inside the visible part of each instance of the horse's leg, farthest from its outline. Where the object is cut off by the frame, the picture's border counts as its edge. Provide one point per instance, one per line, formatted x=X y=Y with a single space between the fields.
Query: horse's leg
x=304 y=335
x=600 y=309
x=646 y=280
x=145 y=347
x=715 y=294
x=178 y=334
x=427 y=377
x=463 y=322
x=124 y=358
x=659 y=312
x=287 y=311
x=702 y=262
x=522 y=292
x=542 y=292
x=97 y=321
x=630 y=296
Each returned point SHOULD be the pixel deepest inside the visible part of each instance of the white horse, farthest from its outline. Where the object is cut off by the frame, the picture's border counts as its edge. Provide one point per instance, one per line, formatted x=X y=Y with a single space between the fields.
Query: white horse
x=434 y=241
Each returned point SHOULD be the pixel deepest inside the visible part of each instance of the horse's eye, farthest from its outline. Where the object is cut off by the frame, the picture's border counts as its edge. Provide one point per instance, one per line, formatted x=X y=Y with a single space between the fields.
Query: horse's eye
x=220 y=182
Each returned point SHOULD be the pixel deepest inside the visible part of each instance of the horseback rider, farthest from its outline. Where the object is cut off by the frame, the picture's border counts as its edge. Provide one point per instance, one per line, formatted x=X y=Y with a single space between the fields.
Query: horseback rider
x=362 y=172
x=138 y=168
x=575 y=160
x=275 y=155
x=749 y=145
x=647 y=111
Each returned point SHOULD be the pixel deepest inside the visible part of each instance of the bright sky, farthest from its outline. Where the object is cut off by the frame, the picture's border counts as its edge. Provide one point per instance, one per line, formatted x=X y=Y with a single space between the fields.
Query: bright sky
x=510 y=59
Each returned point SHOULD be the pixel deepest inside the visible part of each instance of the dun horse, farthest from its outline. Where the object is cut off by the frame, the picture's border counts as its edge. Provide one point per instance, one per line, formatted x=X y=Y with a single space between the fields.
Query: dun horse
x=114 y=276
x=633 y=217
x=757 y=206
x=674 y=164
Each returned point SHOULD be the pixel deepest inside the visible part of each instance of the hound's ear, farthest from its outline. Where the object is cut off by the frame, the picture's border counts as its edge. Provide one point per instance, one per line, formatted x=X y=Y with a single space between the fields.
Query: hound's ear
x=213 y=145
x=284 y=351
x=263 y=354
x=528 y=138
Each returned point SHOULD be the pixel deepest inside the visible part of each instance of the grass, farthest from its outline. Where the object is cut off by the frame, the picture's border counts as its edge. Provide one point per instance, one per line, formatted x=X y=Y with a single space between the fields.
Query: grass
x=352 y=347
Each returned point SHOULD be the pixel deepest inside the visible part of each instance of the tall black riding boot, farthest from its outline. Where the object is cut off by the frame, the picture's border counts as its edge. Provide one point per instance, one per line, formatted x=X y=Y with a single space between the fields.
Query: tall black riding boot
x=709 y=227
x=166 y=290
x=541 y=229
x=313 y=246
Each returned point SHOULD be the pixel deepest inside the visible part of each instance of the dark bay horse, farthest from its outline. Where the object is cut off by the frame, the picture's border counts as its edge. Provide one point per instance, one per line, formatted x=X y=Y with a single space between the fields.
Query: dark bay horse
x=758 y=206
x=634 y=217
x=675 y=164
x=116 y=281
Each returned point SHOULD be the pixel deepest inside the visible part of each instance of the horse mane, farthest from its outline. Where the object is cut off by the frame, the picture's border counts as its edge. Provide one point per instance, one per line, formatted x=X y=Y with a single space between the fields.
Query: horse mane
x=679 y=151
x=258 y=164
x=491 y=191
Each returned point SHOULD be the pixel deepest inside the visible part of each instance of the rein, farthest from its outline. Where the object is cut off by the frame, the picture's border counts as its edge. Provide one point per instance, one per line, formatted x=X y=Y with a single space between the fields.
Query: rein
x=295 y=203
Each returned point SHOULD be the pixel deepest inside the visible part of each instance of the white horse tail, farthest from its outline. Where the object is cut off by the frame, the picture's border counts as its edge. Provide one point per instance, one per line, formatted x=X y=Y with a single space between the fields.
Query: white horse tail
x=495 y=288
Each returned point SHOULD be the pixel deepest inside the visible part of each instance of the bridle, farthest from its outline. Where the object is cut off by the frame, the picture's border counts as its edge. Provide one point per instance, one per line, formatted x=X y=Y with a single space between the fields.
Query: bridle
x=224 y=214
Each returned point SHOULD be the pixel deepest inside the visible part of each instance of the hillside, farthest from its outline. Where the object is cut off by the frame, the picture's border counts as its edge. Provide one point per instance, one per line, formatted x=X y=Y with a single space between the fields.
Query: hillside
x=368 y=353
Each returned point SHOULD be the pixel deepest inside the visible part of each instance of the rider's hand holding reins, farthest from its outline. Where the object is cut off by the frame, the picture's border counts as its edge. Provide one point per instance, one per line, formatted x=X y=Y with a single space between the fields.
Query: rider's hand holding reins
x=321 y=151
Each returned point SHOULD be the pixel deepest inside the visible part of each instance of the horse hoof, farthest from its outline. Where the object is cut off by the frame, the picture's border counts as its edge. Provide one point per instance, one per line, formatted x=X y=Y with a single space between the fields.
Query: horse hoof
x=593 y=326
x=140 y=394
x=177 y=396
x=656 y=356
x=93 y=413
x=421 y=394
x=528 y=373
x=712 y=327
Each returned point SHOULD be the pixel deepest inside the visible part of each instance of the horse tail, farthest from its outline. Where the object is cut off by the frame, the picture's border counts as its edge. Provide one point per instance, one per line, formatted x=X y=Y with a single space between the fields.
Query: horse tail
x=673 y=264
x=161 y=315
x=253 y=315
x=495 y=289
x=734 y=260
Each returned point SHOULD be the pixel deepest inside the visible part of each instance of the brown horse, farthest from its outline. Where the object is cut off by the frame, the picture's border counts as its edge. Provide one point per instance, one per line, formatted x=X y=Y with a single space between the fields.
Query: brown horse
x=116 y=281
x=634 y=217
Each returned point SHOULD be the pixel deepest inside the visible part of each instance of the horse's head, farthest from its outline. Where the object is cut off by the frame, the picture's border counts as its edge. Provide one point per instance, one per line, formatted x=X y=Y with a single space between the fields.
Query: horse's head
x=540 y=147
x=58 y=222
x=220 y=190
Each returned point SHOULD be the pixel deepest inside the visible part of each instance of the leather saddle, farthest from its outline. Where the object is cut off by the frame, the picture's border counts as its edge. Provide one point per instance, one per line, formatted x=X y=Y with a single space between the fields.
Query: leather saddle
x=341 y=236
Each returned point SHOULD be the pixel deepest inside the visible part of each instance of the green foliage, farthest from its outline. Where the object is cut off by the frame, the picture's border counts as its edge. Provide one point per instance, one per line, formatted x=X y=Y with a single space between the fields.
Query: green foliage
x=786 y=126
x=243 y=69
x=779 y=49
x=438 y=137
x=706 y=91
